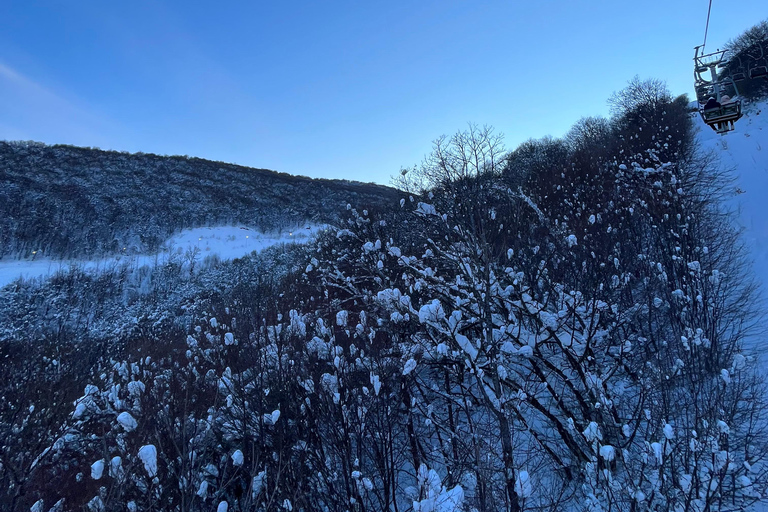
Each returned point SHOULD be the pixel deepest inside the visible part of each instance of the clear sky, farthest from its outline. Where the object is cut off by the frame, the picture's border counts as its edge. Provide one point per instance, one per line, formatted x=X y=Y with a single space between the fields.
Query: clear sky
x=334 y=89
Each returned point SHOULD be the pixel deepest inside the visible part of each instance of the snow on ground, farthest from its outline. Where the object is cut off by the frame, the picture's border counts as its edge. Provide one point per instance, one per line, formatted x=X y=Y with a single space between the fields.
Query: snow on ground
x=226 y=242
x=745 y=150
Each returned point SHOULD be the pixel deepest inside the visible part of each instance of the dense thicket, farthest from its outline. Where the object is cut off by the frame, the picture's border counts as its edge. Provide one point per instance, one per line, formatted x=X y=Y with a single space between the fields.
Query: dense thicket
x=557 y=328
x=65 y=201
x=58 y=335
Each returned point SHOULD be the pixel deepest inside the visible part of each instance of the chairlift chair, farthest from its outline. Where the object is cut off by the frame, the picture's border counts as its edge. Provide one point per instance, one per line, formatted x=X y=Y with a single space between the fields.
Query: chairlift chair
x=760 y=69
x=722 y=117
x=758 y=72
x=735 y=67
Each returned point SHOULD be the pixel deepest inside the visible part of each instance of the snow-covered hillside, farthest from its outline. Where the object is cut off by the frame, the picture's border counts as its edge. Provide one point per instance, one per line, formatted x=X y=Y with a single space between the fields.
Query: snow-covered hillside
x=225 y=242
x=745 y=150
x=476 y=352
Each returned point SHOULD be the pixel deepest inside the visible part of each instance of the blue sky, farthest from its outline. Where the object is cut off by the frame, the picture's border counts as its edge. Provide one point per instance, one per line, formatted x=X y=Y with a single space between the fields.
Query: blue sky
x=334 y=89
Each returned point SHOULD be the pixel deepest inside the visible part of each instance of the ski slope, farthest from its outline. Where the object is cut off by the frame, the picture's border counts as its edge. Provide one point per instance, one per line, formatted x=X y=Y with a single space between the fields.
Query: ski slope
x=226 y=242
x=745 y=151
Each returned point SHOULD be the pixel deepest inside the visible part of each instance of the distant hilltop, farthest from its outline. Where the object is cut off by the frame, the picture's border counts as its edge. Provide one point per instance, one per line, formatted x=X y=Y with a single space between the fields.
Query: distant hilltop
x=66 y=201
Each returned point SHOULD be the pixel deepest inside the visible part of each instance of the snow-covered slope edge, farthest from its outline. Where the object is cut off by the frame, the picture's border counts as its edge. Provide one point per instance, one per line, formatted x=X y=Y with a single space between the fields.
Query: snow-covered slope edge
x=224 y=242
x=745 y=150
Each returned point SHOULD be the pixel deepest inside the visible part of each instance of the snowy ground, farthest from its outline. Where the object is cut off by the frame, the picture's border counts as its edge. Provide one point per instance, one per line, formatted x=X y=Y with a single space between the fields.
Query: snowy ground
x=227 y=242
x=745 y=150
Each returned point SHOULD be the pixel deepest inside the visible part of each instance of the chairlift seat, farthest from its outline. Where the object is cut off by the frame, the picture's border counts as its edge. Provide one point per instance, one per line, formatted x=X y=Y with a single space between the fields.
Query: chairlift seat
x=759 y=71
x=739 y=77
x=721 y=119
x=726 y=110
x=722 y=116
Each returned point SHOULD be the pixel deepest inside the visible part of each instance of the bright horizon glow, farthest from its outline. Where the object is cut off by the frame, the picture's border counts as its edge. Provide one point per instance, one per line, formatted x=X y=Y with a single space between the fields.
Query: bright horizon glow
x=348 y=90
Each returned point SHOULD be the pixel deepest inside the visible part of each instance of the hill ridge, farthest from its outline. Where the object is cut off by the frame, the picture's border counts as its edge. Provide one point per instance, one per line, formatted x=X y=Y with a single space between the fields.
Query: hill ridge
x=70 y=201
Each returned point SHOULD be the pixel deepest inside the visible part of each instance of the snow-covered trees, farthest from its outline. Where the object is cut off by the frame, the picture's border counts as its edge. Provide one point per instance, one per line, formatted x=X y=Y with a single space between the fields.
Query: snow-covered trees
x=587 y=343
x=563 y=327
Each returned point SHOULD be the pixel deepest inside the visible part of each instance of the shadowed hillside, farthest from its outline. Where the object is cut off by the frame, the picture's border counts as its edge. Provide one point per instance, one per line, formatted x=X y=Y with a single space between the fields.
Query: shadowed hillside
x=65 y=201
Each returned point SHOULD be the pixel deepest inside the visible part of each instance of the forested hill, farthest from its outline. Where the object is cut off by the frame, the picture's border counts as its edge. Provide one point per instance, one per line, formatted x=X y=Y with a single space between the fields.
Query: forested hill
x=561 y=328
x=66 y=201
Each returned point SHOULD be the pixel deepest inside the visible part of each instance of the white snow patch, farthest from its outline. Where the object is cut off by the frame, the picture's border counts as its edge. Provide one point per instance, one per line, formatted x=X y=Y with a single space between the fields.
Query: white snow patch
x=525 y=351
x=426 y=209
x=136 y=388
x=658 y=452
x=592 y=432
x=97 y=469
x=431 y=312
x=258 y=483
x=148 y=455
x=435 y=497
x=80 y=409
x=96 y=504
x=523 y=486
x=127 y=421
x=225 y=242
x=116 y=467
x=376 y=382
x=466 y=345
x=608 y=452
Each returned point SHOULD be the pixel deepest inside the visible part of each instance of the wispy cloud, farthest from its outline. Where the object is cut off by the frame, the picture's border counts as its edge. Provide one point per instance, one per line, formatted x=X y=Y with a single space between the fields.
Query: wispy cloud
x=31 y=110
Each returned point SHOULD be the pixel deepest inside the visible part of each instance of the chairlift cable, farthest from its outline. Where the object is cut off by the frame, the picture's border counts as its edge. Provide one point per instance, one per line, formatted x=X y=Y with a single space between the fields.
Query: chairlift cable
x=709 y=11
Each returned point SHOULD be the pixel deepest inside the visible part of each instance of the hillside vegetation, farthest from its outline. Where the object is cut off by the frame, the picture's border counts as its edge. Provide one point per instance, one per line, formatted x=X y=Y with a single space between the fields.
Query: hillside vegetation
x=568 y=326
x=65 y=201
x=560 y=327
